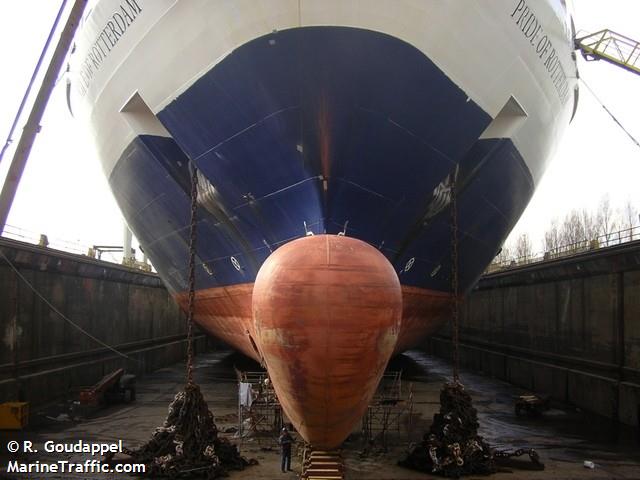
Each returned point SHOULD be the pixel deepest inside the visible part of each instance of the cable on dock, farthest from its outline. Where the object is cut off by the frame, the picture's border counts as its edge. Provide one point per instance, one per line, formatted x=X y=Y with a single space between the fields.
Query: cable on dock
x=62 y=315
x=615 y=119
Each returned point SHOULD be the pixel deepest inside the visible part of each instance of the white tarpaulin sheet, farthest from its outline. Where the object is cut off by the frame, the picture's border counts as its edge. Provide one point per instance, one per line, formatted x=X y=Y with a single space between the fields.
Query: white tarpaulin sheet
x=246 y=399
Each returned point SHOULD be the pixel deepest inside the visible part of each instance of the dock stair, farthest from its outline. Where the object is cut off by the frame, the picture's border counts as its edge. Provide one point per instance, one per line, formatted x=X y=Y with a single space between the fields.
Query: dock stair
x=322 y=465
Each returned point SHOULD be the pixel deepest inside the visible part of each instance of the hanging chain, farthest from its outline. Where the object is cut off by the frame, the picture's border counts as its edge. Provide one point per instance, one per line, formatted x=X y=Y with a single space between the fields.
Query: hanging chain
x=192 y=274
x=454 y=277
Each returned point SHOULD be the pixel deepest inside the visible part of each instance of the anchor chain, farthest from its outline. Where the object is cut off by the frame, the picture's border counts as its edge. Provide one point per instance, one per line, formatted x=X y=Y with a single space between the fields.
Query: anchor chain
x=187 y=444
x=452 y=447
x=455 y=313
x=192 y=273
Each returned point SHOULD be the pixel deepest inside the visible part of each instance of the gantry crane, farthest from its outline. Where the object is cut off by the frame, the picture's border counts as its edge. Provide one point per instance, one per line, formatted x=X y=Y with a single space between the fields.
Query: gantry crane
x=611 y=47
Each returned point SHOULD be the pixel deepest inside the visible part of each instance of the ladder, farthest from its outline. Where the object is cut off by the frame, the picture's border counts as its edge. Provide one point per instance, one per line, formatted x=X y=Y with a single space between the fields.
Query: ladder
x=611 y=47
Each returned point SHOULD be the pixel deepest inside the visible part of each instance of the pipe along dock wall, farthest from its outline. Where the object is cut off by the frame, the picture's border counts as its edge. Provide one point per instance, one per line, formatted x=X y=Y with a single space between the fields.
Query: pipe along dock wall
x=568 y=327
x=43 y=357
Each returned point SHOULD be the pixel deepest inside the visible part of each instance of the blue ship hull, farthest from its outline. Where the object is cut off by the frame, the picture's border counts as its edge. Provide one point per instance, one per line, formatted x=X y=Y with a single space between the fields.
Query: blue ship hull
x=323 y=127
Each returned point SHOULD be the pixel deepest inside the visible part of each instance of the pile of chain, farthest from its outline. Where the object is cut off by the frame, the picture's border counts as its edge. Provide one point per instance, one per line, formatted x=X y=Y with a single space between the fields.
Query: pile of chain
x=187 y=445
x=453 y=448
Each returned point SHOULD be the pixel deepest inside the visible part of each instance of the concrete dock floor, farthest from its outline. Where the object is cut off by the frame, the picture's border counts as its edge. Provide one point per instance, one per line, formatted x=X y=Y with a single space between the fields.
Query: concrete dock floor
x=564 y=437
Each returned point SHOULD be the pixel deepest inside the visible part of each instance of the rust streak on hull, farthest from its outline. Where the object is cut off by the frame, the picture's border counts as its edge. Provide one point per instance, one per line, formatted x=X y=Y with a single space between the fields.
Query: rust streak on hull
x=423 y=312
x=225 y=313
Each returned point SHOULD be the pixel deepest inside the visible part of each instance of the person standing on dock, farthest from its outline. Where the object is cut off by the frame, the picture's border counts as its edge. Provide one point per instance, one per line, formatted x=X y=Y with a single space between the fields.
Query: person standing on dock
x=285 y=440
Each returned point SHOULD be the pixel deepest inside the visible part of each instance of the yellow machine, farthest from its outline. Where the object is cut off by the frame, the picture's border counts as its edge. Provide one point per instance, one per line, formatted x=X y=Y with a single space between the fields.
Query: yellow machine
x=14 y=415
x=611 y=47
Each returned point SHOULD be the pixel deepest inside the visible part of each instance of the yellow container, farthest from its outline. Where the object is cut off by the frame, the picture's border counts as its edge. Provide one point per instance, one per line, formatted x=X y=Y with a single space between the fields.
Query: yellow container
x=14 y=415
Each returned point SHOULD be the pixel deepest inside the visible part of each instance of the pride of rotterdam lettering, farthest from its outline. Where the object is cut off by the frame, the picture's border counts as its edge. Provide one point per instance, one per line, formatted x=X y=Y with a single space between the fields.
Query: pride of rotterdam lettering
x=531 y=28
x=108 y=37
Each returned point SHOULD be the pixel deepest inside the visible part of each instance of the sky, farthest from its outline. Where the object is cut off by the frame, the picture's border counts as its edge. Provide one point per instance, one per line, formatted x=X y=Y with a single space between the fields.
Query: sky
x=64 y=194
x=595 y=158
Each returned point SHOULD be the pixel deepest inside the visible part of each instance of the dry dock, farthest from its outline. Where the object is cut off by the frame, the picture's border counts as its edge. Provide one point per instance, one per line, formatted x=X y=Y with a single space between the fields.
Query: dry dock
x=564 y=437
x=567 y=328
x=44 y=356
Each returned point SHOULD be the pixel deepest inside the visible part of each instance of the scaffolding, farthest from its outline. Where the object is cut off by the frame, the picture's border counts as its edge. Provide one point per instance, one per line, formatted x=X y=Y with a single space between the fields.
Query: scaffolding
x=387 y=409
x=259 y=411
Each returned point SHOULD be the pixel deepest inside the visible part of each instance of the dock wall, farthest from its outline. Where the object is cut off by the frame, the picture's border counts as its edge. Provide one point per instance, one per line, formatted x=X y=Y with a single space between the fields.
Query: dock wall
x=567 y=327
x=43 y=357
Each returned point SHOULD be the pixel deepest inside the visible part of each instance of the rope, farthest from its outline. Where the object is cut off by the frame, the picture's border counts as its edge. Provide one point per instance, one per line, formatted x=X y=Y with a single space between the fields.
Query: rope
x=633 y=139
x=192 y=273
x=454 y=278
x=64 y=317
x=33 y=78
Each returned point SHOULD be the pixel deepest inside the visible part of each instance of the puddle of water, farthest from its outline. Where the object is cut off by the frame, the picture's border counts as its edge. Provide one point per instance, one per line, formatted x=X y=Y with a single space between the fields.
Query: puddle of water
x=563 y=427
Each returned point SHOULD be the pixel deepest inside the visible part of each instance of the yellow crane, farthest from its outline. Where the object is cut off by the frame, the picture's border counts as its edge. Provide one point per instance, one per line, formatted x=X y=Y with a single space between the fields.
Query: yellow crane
x=611 y=47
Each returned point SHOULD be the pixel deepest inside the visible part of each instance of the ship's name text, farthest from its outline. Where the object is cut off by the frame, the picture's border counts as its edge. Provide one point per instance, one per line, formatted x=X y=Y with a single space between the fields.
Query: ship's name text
x=107 y=38
x=532 y=29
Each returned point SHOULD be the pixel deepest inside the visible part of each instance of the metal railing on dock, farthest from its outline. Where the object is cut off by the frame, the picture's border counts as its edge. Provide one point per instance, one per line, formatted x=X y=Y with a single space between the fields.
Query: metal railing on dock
x=111 y=254
x=582 y=246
